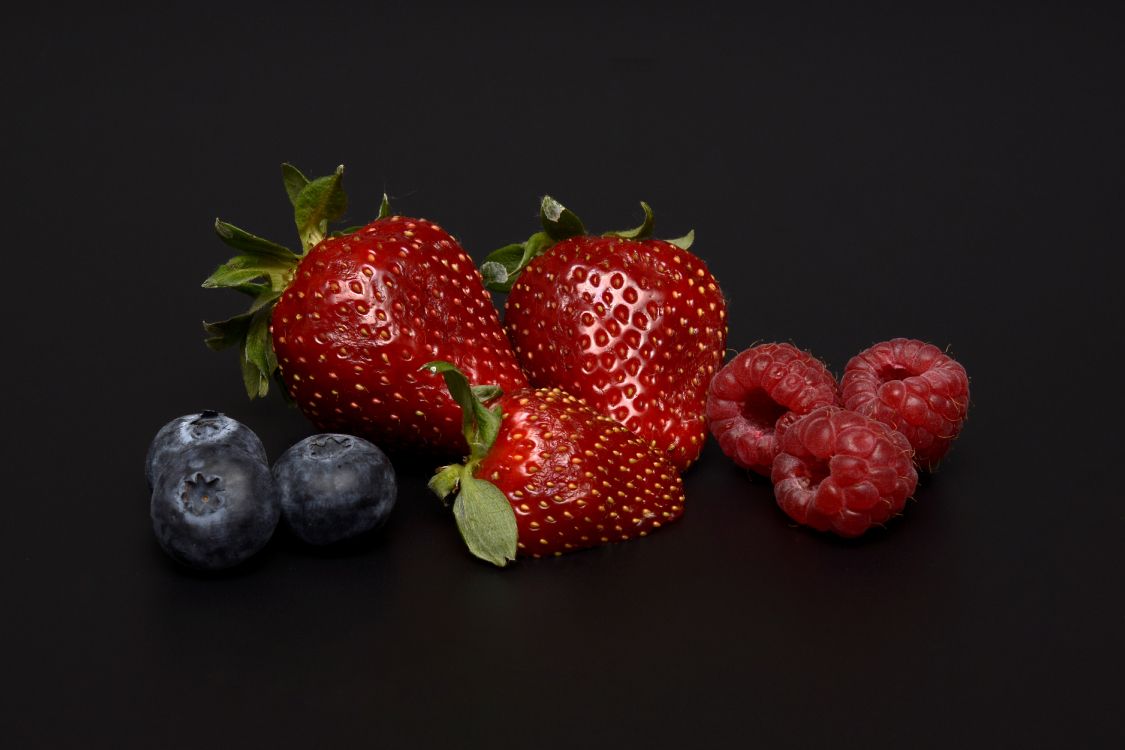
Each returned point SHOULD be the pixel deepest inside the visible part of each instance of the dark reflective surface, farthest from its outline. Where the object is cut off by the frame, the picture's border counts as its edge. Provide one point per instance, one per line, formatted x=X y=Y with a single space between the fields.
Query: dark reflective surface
x=851 y=175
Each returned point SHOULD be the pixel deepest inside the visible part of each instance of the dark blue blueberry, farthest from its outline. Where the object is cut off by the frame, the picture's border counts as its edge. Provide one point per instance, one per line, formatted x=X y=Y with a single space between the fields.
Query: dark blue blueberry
x=213 y=507
x=334 y=487
x=208 y=427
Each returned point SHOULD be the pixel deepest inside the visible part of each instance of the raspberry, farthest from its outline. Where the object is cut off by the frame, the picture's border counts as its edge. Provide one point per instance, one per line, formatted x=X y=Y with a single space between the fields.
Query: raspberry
x=760 y=392
x=914 y=388
x=842 y=472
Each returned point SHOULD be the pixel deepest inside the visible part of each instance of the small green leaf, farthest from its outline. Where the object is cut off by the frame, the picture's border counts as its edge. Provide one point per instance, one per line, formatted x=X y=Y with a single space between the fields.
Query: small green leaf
x=225 y=276
x=264 y=299
x=486 y=521
x=253 y=288
x=294 y=182
x=559 y=221
x=685 y=242
x=258 y=360
x=346 y=231
x=486 y=392
x=241 y=270
x=644 y=231
x=459 y=389
x=224 y=334
x=245 y=242
x=384 y=207
x=257 y=385
x=503 y=266
x=445 y=480
x=495 y=276
x=536 y=245
x=259 y=342
x=321 y=201
x=479 y=424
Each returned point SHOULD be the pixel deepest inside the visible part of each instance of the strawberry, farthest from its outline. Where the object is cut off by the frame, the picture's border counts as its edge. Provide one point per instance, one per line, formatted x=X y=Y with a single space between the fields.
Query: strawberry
x=547 y=474
x=347 y=322
x=635 y=326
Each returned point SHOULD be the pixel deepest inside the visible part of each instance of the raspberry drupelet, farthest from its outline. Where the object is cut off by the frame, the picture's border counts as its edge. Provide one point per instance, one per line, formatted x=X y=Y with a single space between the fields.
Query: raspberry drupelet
x=760 y=392
x=914 y=388
x=842 y=472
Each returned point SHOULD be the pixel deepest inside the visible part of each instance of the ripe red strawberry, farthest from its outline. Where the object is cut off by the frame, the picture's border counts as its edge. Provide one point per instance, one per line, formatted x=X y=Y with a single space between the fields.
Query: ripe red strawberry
x=915 y=388
x=758 y=393
x=842 y=472
x=635 y=326
x=348 y=323
x=548 y=474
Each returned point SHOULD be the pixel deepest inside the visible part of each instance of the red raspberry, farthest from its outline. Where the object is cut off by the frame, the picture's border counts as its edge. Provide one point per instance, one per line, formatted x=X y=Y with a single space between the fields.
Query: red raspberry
x=915 y=388
x=842 y=472
x=760 y=392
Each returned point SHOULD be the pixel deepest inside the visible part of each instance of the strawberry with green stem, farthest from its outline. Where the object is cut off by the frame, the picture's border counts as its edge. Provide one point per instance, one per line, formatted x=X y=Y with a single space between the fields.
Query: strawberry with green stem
x=547 y=474
x=346 y=322
x=634 y=325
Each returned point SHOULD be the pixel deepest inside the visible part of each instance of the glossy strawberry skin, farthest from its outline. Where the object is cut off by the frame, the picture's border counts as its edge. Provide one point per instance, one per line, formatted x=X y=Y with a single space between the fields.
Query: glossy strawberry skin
x=364 y=311
x=574 y=477
x=637 y=328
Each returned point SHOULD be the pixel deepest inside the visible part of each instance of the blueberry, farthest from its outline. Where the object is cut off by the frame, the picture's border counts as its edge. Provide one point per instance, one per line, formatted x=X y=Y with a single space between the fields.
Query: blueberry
x=213 y=507
x=334 y=487
x=208 y=427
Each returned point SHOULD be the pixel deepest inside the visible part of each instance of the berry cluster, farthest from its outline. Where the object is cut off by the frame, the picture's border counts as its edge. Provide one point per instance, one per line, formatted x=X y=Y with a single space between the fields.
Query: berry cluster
x=573 y=415
x=842 y=457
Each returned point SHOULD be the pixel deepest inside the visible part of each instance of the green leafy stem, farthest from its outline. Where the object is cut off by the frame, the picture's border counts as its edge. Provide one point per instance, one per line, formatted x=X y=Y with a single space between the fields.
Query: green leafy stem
x=483 y=514
x=263 y=269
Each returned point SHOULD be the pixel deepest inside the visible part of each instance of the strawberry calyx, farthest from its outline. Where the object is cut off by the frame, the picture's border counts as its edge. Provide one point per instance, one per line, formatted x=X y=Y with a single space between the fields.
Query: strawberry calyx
x=483 y=514
x=503 y=266
x=263 y=269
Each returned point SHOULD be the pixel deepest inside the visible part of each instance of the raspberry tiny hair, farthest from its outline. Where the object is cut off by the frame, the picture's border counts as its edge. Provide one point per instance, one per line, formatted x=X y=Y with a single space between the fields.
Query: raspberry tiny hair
x=840 y=471
x=913 y=387
x=759 y=393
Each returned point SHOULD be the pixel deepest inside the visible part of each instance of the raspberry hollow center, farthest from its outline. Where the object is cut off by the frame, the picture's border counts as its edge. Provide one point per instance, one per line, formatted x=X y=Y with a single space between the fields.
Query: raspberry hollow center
x=817 y=471
x=761 y=411
x=891 y=372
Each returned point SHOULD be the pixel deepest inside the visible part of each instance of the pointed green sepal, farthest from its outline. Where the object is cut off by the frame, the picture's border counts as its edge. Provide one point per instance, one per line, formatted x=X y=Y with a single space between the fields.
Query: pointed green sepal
x=224 y=334
x=258 y=358
x=685 y=242
x=321 y=201
x=384 y=207
x=486 y=521
x=643 y=232
x=294 y=181
x=484 y=516
x=241 y=271
x=559 y=222
x=502 y=267
x=487 y=392
x=263 y=269
x=479 y=423
x=250 y=332
x=446 y=480
x=251 y=244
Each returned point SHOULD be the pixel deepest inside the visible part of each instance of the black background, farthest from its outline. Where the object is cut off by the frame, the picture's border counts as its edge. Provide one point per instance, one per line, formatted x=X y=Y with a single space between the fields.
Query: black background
x=853 y=173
